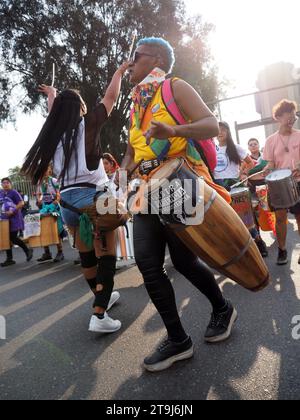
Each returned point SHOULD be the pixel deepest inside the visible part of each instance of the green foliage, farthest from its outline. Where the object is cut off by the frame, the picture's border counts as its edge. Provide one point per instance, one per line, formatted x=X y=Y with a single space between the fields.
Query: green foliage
x=88 y=40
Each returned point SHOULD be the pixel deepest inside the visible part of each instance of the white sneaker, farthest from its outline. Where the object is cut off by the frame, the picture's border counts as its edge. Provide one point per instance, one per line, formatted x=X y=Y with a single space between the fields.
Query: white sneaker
x=106 y=325
x=115 y=296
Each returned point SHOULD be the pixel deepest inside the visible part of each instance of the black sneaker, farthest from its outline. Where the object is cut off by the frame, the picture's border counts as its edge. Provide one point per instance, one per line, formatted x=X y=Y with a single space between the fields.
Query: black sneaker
x=282 y=257
x=221 y=324
x=59 y=257
x=29 y=255
x=169 y=353
x=45 y=257
x=262 y=246
x=7 y=263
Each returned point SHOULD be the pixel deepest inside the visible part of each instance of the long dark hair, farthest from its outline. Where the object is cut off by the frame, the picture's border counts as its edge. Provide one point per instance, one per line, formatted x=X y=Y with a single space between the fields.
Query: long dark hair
x=232 y=152
x=62 y=124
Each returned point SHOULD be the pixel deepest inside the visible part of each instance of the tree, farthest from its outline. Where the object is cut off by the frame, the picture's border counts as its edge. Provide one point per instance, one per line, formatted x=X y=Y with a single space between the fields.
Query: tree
x=87 y=40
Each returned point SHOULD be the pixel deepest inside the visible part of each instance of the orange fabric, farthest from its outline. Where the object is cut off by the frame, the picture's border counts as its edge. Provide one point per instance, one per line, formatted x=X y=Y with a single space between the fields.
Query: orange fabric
x=202 y=170
x=267 y=221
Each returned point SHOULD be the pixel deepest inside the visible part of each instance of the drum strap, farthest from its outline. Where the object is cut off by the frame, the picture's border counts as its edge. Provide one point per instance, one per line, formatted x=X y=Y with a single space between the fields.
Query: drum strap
x=68 y=206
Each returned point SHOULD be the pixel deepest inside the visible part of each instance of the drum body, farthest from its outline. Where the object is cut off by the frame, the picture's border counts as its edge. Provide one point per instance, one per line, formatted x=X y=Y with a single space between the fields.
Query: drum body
x=49 y=233
x=242 y=205
x=222 y=240
x=283 y=189
x=4 y=235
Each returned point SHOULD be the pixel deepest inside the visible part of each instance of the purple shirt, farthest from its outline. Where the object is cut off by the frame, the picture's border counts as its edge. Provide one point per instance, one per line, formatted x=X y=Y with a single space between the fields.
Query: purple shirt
x=8 y=201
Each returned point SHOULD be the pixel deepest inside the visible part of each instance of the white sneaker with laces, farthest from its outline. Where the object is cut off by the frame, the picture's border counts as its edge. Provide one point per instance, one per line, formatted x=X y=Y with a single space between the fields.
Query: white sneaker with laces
x=115 y=296
x=106 y=325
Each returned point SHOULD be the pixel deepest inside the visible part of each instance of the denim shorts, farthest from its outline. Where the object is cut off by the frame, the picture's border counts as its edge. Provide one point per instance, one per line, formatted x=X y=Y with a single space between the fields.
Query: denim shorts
x=79 y=198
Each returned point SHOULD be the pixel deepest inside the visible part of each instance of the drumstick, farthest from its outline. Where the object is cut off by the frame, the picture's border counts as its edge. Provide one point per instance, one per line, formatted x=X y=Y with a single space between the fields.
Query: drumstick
x=252 y=176
x=132 y=44
x=53 y=74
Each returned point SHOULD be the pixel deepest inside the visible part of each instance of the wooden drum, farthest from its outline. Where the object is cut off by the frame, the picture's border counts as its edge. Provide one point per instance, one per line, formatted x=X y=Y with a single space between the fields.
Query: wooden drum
x=49 y=233
x=4 y=235
x=222 y=240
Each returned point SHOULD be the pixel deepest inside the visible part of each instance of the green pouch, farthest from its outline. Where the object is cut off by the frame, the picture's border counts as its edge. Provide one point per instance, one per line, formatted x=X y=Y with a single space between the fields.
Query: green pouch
x=86 y=230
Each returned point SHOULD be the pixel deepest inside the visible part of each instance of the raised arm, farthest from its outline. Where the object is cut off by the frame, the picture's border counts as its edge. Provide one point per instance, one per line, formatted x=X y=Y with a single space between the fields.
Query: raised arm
x=50 y=92
x=114 y=88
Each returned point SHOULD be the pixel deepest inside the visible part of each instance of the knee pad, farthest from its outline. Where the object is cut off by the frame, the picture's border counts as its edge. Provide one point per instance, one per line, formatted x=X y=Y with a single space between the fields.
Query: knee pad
x=105 y=276
x=106 y=268
x=92 y=283
x=88 y=259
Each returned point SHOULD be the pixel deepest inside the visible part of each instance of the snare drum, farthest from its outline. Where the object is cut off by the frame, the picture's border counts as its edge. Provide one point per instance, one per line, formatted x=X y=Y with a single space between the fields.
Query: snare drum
x=4 y=235
x=283 y=189
x=49 y=233
x=242 y=204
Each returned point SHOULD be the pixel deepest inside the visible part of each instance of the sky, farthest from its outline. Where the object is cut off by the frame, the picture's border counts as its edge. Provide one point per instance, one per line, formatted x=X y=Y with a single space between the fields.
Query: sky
x=248 y=36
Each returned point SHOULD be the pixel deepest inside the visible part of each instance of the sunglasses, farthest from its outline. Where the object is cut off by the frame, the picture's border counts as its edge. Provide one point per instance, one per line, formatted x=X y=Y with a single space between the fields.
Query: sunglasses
x=137 y=55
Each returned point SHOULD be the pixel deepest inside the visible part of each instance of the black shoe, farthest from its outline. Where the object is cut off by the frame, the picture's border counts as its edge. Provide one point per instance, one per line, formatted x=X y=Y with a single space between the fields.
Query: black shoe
x=7 y=263
x=169 y=353
x=59 y=257
x=45 y=257
x=221 y=324
x=77 y=262
x=282 y=257
x=29 y=255
x=262 y=246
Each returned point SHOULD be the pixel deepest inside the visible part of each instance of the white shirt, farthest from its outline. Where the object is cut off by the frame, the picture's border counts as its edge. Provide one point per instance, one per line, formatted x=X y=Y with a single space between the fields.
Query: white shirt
x=225 y=168
x=97 y=177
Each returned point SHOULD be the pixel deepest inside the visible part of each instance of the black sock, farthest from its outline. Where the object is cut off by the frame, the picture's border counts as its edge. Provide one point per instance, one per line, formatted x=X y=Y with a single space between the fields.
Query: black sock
x=99 y=316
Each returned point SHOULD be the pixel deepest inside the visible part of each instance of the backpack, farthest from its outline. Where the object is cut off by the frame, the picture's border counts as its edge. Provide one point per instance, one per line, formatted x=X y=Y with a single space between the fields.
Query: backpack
x=206 y=148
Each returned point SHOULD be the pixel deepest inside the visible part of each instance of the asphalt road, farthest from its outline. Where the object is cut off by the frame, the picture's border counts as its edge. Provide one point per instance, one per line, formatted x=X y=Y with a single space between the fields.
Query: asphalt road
x=49 y=353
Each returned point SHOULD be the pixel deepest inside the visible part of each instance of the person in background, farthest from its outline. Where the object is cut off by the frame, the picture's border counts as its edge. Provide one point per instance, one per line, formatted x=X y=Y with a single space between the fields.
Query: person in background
x=260 y=164
x=282 y=151
x=230 y=157
x=111 y=166
x=233 y=161
x=11 y=205
x=48 y=197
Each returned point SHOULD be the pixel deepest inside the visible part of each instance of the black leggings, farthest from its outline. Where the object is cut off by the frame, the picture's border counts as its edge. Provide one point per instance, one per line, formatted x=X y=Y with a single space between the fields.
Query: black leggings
x=150 y=240
x=16 y=241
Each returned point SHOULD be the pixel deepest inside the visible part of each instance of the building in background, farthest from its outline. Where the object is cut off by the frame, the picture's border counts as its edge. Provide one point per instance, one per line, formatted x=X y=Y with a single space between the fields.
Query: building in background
x=285 y=76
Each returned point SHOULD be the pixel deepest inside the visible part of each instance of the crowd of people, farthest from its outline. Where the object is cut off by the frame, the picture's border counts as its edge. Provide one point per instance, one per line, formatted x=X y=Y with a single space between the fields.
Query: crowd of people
x=83 y=172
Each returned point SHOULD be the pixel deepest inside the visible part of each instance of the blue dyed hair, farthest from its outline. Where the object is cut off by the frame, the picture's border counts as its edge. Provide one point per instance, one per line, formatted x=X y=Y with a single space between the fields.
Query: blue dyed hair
x=164 y=50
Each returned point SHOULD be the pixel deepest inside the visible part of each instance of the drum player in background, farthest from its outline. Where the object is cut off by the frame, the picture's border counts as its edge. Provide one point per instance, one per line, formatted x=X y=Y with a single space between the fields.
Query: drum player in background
x=48 y=197
x=230 y=158
x=233 y=164
x=11 y=204
x=282 y=151
x=154 y=135
x=260 y=164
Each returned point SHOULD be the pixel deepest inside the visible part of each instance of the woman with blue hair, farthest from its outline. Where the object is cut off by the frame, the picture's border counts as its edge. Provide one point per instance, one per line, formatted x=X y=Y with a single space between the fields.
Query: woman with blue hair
x=154 y=136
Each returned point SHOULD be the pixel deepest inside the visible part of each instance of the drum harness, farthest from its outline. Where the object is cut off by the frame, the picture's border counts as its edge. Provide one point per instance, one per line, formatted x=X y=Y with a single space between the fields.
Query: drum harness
x=101 y=235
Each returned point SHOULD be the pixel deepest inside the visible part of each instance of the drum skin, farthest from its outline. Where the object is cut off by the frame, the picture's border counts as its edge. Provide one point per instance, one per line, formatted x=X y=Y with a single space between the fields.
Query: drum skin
x=49 y=233
x=224 y=243
x=4 y=235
